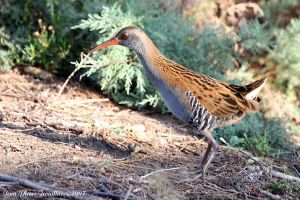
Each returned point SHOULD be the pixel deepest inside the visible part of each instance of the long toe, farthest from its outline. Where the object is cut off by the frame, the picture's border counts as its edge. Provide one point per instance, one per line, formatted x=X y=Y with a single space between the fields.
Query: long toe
x=201 y=175
x=199 y=169
x=200 y=172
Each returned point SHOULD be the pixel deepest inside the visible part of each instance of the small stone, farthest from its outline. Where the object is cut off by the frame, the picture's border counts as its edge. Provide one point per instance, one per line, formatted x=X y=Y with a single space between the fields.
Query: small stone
x=138 y=128
x=131 y=147
x=131 y=180
x=137 y=190
x=76 y=158
x=2 y=114
x=101 y=124
x=135 y=148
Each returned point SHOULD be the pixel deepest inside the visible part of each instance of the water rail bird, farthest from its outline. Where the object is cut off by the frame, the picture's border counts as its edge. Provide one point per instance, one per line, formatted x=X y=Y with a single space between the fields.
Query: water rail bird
x=199 y=100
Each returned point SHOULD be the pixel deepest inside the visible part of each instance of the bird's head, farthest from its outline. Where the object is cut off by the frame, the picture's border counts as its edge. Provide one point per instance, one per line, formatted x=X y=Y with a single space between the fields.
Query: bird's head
x=130 y=36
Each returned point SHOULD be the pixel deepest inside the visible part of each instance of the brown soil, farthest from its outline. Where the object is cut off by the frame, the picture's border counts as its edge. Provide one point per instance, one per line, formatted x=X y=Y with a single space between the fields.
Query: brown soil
x=82 y=141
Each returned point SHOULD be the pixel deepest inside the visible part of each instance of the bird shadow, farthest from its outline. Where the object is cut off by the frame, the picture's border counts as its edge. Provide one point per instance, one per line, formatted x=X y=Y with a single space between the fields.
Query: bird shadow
x=84 y=142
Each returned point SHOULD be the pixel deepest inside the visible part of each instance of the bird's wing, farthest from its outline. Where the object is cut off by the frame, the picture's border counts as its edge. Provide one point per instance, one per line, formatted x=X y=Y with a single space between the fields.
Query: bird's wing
x=219 y=99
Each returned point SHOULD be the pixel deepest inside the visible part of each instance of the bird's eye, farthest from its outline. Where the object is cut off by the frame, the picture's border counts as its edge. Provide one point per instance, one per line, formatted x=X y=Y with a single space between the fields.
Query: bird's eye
x=124 y=36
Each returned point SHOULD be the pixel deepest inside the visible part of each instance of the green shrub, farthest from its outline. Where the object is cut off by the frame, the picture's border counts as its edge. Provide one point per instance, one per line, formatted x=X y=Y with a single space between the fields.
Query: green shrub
x=124 y=69
x=45 y=50
x=283 y=187
x=286 y=58
x=7 y=49
x=283 y=23
x=277 y=12
x=254 y=38
x=259 y=134
x=42 y=29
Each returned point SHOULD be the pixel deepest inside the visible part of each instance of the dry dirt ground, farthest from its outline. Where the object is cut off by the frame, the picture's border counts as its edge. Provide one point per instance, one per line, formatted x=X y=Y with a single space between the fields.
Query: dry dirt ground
x=82 y=142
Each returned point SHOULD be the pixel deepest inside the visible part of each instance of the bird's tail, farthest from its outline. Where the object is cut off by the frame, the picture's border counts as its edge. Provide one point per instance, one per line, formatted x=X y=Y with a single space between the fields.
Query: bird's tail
x=251 y=92
x=252 y=89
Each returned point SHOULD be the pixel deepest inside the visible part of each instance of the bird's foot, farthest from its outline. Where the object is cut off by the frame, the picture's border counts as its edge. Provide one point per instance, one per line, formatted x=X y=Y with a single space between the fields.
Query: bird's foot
x=200 y=172
x=199 y=169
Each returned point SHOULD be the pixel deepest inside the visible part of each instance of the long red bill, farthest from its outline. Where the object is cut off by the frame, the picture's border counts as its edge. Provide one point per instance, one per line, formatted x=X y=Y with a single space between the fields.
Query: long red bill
x=113 y=41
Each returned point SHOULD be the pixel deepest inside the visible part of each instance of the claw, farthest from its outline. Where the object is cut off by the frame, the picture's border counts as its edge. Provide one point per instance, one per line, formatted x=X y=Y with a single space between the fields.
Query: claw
x=200 y=172
x=200 y=169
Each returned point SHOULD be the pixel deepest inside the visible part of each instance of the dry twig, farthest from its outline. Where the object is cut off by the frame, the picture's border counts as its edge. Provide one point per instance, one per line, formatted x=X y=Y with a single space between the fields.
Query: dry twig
x=81 y=101
x=272 y=196
x=128 y=193
x=268 y=169
x=275 y=173
x=80 y=66
x=36 y=160
x=73 y=73
x=161 y=170
x=185 y=150
x=217 y=188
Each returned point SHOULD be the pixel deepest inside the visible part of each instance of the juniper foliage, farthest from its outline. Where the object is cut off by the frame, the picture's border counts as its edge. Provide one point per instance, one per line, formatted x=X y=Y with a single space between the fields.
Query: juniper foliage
x=286 y=58
x=42 y=30
x=7 y=48
x=277 y=11
x=259 y=134
x=254 y=38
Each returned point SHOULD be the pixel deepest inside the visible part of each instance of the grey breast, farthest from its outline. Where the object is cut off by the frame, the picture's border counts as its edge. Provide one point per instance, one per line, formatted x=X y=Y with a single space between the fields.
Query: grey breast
x=171 y=100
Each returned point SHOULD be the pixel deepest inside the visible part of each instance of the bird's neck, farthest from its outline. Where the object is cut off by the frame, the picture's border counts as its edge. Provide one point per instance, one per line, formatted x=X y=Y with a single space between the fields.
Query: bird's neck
x=162 y=72
x=152 y=59
x=151 y=70
x=148 y=64
x=164 y=76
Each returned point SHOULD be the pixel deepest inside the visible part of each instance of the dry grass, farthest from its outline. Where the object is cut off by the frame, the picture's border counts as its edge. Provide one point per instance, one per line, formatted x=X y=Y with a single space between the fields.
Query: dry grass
x=84 y=142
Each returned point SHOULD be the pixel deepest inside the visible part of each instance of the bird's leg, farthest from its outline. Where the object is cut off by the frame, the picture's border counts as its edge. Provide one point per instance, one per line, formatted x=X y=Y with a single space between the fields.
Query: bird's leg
x=204 y=158
x=210 y=152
